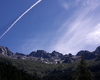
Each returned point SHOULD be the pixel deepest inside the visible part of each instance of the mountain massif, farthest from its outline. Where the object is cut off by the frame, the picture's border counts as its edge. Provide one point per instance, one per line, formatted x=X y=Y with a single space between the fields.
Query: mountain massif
x=41 y=65
x=50 y=58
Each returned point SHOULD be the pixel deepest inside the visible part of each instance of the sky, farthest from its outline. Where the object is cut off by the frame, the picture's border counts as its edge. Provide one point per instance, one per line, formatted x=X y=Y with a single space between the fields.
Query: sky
x=66 y=26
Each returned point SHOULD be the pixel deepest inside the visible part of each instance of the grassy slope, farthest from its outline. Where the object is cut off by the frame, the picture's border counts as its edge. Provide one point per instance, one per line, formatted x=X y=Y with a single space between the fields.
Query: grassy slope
x=44 y=69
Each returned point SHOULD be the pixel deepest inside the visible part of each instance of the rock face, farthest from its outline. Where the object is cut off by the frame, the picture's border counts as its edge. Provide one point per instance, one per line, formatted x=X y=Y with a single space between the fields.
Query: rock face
x=5 y=51
x=90 y=55
x=97 y=51
x=19 y=55
x=87 y=55
x=56 y=54
x=40 y=53
x=44 y=54
x=54 y=57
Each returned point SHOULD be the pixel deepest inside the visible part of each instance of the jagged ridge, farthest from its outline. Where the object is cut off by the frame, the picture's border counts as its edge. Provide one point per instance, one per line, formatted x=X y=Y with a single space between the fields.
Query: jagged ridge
x=54 y=57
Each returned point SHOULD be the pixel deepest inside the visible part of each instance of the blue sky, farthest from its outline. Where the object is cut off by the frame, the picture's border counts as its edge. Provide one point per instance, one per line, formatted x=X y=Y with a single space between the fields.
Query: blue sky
x=67 y=26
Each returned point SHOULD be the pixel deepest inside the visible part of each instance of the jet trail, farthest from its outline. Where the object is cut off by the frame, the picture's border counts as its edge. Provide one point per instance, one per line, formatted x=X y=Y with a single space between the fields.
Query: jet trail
x=20 y=18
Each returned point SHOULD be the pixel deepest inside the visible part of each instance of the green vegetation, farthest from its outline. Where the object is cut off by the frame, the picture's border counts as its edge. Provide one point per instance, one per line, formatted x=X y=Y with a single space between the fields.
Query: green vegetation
x=26 y=69
x=9 y=72
x=82 y=72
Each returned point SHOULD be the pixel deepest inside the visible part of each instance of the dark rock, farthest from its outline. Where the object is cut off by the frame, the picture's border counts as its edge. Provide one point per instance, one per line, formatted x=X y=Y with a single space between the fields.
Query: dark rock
x=5 y=51
x=32 y=53
x=56 y=54
x=21 y=54
x=97 y=51
x=67 y=60
x=51 y=57
x=87 y=55
x=70 y=55
x=40 y=53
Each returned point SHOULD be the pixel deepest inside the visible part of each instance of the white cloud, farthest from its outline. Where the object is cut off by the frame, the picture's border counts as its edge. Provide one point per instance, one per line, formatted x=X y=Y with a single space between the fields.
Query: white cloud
x=76 y=33
x=28 y=45
x=79 y=31
x=34 y=44
x=94 y=36
x=31 y=44
x=74 y=3
x=64 y=4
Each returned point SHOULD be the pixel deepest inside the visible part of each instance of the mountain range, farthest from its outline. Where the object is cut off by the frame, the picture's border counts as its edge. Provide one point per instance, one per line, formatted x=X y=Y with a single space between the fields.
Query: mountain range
x=41 y=65
x=50 y=58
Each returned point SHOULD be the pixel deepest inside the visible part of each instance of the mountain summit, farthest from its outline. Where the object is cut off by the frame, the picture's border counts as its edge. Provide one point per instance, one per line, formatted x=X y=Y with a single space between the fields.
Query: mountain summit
x=50 y=58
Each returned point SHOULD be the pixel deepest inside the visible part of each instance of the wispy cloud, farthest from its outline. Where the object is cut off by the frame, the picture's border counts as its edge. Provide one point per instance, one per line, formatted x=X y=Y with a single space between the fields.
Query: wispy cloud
x=64 y=4
x=30 y=45
x=67 y=4
x=94 y=36
x=80 y=30
x=33 y=44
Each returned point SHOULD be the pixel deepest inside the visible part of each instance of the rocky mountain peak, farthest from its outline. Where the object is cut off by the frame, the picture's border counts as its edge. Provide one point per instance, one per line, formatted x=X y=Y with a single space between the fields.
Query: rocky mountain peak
x=5 y=51
x=40 y=53
x=97 y=51
x=56 y=54
x=19 y=54
x=89 y=55
x=53 y=57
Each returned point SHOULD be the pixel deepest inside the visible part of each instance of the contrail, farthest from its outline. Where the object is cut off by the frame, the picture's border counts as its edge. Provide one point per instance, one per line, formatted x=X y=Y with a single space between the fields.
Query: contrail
x=20 y=18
